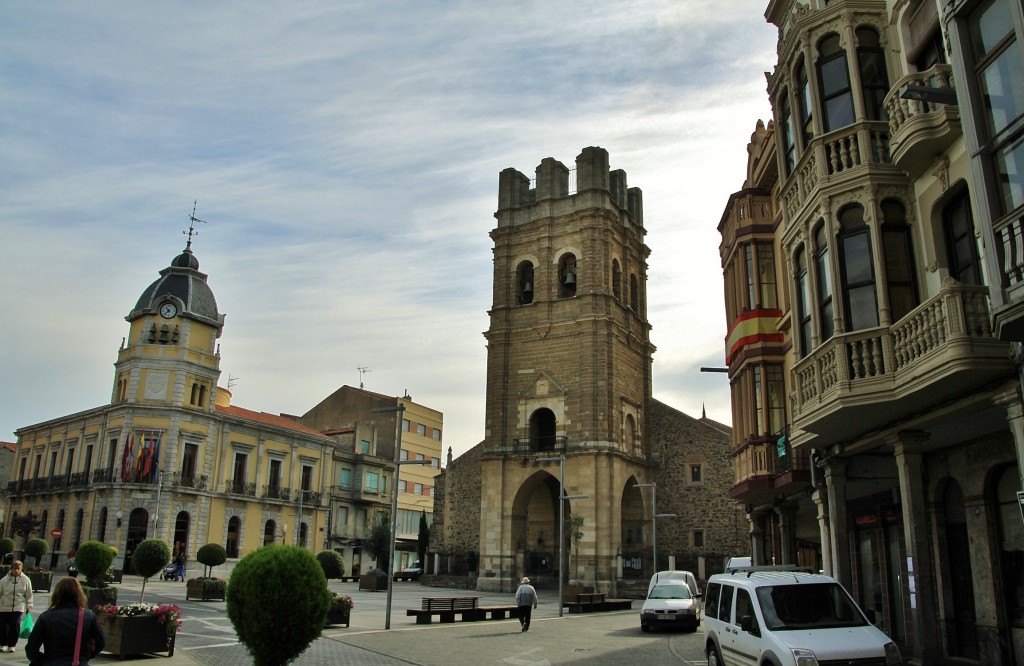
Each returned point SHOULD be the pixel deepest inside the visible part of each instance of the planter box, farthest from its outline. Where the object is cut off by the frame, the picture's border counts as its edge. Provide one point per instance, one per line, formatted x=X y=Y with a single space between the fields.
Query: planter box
x=198 y=588
x=373 y=583
x=98 y=596
x=41 y=580
x=142 y=634
x=337 y=617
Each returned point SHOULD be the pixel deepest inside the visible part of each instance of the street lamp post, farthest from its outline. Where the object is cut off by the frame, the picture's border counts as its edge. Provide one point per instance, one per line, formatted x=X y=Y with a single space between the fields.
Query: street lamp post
x=562 y=497
x=654 y=520
x=394 y=502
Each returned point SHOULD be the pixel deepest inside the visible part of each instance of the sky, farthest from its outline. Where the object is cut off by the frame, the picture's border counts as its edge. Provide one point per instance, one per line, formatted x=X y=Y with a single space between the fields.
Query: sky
x=345 y=157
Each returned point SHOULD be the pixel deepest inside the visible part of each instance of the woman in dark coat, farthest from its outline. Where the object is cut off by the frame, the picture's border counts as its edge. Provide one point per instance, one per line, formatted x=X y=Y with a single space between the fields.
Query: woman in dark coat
x=53 y=637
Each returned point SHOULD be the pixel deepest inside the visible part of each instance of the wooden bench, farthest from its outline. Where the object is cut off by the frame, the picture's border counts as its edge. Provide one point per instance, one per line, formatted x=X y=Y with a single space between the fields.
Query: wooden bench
x=598 y=605
x=499 y=612
x=350 y=579
x=585 y=602
x=447 y=608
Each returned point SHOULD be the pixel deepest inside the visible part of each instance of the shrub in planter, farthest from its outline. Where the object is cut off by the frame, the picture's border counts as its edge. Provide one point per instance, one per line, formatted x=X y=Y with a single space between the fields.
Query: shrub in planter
x=36 y=548
x=150 y=558
x=277 y=601
x=340 y=611
x=93 y=559
x=206 y=587
x=332 y=563
x=374 y=580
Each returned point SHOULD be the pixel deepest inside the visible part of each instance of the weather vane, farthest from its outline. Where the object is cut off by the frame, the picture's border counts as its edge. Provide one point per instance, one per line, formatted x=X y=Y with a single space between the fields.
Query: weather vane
x=192 y=219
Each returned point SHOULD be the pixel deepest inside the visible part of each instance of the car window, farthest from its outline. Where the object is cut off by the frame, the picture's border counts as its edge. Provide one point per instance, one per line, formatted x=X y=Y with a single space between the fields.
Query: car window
x=669 y=592
x=725 y=608
x=817 y=605
x=711 y=599
x=744 y=605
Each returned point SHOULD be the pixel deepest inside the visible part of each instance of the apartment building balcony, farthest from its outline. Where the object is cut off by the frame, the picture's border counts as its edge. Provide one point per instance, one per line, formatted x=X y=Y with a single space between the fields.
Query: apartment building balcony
x=861 y=381
x=832 y=159
x=233 y=487
x=348 y=493
x=921 y=129
x=275 y=491
x=768 y=467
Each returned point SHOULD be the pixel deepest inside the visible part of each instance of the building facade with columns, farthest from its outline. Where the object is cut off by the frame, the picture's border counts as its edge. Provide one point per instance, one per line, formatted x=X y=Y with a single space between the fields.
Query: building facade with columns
x=876 y=398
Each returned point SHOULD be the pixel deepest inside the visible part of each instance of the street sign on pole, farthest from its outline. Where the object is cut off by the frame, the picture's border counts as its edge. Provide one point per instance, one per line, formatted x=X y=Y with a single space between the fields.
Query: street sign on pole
x=56 y=532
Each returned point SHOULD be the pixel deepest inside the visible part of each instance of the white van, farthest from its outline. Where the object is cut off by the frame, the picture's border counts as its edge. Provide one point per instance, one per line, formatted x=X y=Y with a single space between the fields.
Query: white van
x=685 y=577
x=788 y=618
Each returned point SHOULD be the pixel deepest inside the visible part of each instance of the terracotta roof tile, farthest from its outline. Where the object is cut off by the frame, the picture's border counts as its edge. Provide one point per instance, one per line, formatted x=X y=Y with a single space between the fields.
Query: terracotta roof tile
x=267 y=419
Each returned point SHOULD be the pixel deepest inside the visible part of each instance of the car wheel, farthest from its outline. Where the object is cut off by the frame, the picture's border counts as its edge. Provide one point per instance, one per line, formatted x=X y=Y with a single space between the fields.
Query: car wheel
x=713 y=658
x=644 y=627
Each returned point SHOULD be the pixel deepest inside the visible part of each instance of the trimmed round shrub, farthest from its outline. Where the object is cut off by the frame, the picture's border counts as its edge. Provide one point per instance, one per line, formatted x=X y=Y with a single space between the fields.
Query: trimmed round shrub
x=332 y=563
x=93 y=558
x=150 y=557
x=36 y=548
x=211 y=555
x=6 y=546
x=277 y=601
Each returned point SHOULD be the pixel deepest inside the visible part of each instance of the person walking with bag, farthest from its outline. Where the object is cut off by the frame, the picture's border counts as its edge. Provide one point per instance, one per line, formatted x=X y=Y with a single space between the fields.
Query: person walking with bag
x=526 y=600
x=67 y=633
x=15 y=600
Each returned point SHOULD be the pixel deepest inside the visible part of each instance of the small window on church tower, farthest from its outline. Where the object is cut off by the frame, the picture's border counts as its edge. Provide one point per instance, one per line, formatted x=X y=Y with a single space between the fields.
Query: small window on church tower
x=616 y=280
x=567 y=276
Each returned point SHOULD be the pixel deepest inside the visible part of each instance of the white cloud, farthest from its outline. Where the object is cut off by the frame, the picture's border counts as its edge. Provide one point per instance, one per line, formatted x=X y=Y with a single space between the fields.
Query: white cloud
x=346 y=156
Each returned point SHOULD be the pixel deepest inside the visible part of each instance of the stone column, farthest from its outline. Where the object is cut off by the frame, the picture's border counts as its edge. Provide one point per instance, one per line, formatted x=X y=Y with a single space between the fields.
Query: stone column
x=909 y=446
x=821 y=501
x=835 y=481
x=787 y=532
x=1011 y=401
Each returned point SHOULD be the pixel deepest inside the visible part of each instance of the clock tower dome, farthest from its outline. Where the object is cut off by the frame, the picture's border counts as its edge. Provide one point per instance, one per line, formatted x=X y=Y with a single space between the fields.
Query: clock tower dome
x=171 y=357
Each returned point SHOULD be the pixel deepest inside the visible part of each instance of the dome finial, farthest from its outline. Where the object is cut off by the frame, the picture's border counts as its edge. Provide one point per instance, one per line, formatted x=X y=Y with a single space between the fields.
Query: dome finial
x=192 y=219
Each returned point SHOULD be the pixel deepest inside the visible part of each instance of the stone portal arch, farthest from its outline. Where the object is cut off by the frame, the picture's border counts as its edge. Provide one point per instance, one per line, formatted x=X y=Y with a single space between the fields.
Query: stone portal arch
x=535 y=529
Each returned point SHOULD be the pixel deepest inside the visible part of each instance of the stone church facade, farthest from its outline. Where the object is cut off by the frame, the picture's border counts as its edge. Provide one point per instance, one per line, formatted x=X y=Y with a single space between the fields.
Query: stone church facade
x=569 y=397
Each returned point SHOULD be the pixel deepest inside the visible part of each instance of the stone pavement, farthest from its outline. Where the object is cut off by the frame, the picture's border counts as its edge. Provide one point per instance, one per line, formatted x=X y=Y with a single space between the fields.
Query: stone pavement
x=207 y=638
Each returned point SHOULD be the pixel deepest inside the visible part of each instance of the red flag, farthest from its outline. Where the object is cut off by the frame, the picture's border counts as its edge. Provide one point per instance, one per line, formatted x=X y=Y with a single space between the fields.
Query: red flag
x=126 y=458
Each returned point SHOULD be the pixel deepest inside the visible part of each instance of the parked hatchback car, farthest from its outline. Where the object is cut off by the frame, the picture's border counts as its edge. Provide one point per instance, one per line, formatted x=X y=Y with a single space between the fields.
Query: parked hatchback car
x=670 y=605
x=788 y=618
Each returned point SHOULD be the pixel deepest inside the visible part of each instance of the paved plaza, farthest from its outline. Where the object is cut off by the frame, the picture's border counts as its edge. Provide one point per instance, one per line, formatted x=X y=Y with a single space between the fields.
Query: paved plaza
x=207 y=638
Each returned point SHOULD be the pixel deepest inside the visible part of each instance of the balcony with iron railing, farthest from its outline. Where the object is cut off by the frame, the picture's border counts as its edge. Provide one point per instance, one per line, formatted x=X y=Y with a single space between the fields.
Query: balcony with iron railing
x=276 y=491
x=832 y=157
x=233 y=487
x=921 y=127
x=187 y=481
x=361 y=495
x=857 y=382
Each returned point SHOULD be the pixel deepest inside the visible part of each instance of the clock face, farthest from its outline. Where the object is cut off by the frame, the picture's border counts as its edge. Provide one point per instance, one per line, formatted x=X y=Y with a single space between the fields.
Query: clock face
x=168 y=310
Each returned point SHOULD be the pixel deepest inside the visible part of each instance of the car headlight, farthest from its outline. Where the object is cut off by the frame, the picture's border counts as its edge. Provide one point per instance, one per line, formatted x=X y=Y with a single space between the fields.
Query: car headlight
x=892 y=654
x=804 y=657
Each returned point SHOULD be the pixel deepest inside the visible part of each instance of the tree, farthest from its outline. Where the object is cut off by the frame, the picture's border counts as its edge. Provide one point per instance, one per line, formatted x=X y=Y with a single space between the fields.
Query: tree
x=6 y=546
x=332 y=563
x=211 y=555
x=377 y=543
x=423 y=541
x=36 y=548
x=277 y=601
x=150 y=558
x=24 y=526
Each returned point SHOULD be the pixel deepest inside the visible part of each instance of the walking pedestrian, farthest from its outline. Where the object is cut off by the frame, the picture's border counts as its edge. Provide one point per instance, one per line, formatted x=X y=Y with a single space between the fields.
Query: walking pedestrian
x=526 y=600
x=15 y=600
x=180 y=561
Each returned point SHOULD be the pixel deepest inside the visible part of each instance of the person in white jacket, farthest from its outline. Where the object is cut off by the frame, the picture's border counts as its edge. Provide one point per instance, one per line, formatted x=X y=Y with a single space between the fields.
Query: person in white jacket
x=15 y=600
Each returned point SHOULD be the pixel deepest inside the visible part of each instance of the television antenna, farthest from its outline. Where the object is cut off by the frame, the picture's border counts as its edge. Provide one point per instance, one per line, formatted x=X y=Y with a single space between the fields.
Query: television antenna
x=232 y=380
x=362 y=371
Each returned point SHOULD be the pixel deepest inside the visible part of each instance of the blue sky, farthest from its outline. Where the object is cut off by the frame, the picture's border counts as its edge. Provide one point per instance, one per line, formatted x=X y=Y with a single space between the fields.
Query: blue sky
x=345 y=156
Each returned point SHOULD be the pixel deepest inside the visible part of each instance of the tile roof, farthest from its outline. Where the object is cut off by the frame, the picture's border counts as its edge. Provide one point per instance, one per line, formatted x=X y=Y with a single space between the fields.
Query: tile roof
x=267 y=419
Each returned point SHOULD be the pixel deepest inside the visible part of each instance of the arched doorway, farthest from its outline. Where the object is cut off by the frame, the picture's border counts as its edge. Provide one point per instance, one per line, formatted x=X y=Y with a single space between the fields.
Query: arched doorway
x=138 y=527
x=181 y=525
x=234 y=527
x=633 y=541
x=535 y=530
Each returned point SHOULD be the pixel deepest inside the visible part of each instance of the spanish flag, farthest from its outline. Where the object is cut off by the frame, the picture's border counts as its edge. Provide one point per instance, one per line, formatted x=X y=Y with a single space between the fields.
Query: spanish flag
x=126 y=458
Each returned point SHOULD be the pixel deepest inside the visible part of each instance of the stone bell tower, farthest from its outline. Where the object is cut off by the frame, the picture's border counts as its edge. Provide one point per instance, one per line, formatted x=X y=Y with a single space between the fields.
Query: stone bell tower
x=568 y=373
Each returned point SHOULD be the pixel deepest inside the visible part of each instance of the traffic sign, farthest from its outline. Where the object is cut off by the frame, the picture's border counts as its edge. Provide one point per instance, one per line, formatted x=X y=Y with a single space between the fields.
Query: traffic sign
x=56 y=532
